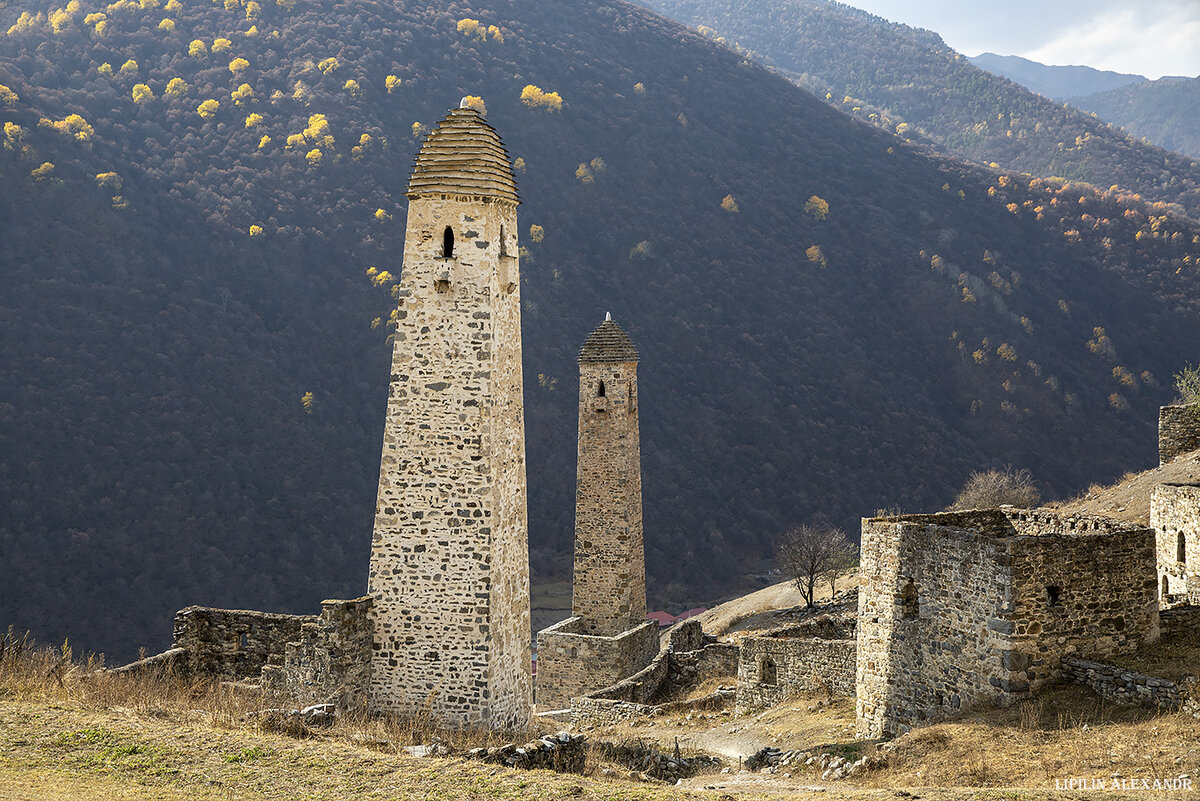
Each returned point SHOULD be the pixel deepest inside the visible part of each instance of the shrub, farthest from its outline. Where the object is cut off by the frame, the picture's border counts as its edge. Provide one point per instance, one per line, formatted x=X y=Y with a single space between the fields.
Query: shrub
x=988 y=489
x=1187 y=384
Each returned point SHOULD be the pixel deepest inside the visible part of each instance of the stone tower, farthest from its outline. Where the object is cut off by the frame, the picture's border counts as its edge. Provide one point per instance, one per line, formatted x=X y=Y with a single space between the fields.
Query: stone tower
x=609 y=589
x=607 y=638
x=449 y=574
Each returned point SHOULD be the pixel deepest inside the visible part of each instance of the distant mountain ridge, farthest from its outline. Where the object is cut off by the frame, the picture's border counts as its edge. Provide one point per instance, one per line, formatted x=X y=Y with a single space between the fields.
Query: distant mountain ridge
x=1056 y=82
x=907 y=80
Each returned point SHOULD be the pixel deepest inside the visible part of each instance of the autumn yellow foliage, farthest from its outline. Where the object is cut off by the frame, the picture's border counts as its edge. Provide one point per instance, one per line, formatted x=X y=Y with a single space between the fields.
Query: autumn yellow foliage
x=43 y=172
x=536 y=97
x=129 y=67
x=72 y=125
x=475 y=102
x=221 y=45
x=256 y=230
x=167 y=25
x=537 y=233
x=7 y=96
x=353 y=88
x=238 y=65
x=197 y=48
x=108 y=180
x=729 y=204
x=142 y=93
x=391 y=82
x=254 y=120
x=328 y=65
x=242 y=95
x=314 y=156
x=208 y=108
x=176 y=86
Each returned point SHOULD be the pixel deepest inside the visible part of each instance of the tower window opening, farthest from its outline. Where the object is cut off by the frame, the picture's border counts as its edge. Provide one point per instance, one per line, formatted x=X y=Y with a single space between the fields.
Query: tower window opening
x=1181 y=550
x=1053 y=595
x=909 y=601
x=1166 y=587
x=600 y=391
x=767 y=674
x=503 y=242
x=448 y=243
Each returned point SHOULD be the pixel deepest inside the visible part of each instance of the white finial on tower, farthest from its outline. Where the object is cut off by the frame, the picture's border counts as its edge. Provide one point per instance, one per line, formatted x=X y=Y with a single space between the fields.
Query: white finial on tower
x=608 y=317
x=462 y=103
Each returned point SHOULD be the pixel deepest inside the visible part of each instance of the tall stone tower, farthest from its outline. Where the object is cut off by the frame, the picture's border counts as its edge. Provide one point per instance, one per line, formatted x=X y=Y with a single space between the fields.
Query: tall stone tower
x=609 y=590
x=449 y=571
x=607 y=638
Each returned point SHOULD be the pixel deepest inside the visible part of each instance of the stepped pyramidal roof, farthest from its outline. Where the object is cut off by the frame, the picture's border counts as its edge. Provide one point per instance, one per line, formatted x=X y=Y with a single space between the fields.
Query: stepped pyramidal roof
x=608 y=343
x=463 y=155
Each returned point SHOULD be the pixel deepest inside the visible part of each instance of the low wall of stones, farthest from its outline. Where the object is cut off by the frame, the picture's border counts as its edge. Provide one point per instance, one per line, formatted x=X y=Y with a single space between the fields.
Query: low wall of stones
x=1178 y=431
x=1180 y=619
x=1131 y=688
x=771 y=669
x=606 y=711
x=331 y=661
x=572 y=664
x=234 y=643
x=562 y=753
x=690 y=668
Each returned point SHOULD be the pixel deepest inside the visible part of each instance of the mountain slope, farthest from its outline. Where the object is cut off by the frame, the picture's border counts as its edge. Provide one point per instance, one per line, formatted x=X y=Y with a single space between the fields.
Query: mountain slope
x=830 y=320
x=1055 y=82
x=908 y=80
x=1165 y=111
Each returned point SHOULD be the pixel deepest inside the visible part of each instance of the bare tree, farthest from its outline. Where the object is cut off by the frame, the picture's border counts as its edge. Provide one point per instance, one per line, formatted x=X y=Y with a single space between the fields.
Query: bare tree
x=812 y=552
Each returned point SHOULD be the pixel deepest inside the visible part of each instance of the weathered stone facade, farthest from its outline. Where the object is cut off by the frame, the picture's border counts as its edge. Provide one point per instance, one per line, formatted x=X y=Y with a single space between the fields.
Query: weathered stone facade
x=817 y=656
x=573 y=663
x=607 y=638
x=967 y=609
x=1178 y=431
x=233 y=643
x=449 y=575
x=330 y=663
x=608 y=593
x=1175 y=516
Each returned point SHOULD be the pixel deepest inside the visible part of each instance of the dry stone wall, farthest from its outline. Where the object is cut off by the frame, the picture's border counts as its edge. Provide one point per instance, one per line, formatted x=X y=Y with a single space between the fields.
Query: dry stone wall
x=233 y=643
x=1132 y=688
x=969 y=609
x=1178 y=431
x=449 y=570
x=1175 y=516
x=331 y=661
x=573 y=663
x=774 y=668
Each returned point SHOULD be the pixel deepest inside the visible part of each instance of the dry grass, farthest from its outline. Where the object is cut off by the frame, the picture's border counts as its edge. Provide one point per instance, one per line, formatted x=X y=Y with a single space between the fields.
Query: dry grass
x=1172 y=657
x=1129 y=497
x=1066 y=732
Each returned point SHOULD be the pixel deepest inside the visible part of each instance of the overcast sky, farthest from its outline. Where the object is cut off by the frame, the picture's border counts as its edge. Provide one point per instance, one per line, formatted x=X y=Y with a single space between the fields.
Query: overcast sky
x=1147 y=37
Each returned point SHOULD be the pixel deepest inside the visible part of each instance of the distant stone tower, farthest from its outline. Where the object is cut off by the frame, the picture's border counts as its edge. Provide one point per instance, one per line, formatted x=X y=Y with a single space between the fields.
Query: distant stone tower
x=607 y=638
x=609 y=590
x=449 y=571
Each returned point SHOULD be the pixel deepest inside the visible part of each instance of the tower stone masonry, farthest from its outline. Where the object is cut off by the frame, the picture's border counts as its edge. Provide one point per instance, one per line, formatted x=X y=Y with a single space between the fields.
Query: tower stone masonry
x=609 y=589
x=607 y=638
x=449 y=575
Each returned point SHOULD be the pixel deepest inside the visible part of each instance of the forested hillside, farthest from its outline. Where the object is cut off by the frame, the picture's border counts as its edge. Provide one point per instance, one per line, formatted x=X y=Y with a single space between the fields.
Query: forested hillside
x=907 y=80
x=1166 y=111
x=194 y=358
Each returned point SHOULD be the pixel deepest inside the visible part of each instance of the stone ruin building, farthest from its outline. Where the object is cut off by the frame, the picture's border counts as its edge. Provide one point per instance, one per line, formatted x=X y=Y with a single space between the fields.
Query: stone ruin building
x=1175 y=517
x=815 y=656
x=607 y=638
x=961 y=610
x=449 y=576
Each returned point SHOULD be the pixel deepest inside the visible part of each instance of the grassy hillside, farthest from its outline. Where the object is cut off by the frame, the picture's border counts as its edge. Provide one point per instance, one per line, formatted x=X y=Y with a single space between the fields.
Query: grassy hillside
x=1164 y=111
x=830 y=320
x=908 y=80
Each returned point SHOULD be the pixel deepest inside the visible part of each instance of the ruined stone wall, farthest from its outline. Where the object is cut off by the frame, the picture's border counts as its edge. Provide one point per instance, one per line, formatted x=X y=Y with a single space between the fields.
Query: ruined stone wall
x=1132 y=688
x=449 y=573
x=961 y=610
x=772 y=669
x=1179 y=620
x=931 y=618
x=331 y=661
x=1090 y=595
x=1175 y=514
x=233 y=643
x=572 y=663
x=608 y=593
x=1178 y=431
